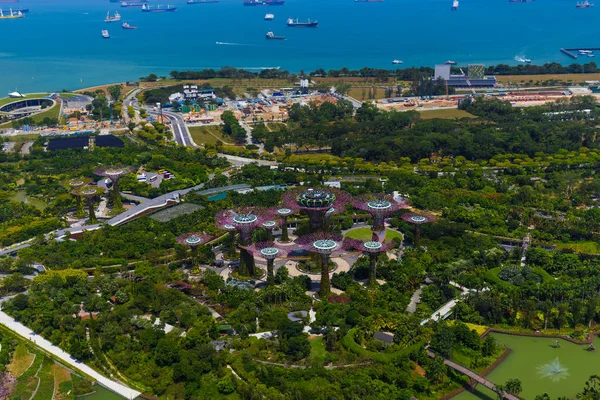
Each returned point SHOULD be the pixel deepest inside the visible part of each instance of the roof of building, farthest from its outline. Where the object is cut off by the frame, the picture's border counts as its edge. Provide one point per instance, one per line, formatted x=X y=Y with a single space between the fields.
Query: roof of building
x=385 y=337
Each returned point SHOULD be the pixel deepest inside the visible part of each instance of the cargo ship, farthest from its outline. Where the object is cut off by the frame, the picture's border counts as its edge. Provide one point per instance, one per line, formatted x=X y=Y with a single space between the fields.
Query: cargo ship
x=133 y=3
x=264 y=2
x=455 y=5
x=308 y=24
x=127 y=26
x=271 y=35
x=11 y=14
x=105 y=34
x=585 y=4
x=147 y=8
x=202 y=1
x=114 y=18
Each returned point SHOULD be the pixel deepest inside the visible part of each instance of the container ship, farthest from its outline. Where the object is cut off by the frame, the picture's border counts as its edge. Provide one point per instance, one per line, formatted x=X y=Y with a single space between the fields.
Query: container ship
x=147 y=8
x=127 y=26
x=271 y=35
x=308 y=24
x=202 y=1
x=11 y=15
x=264 y=2
x=114 y=18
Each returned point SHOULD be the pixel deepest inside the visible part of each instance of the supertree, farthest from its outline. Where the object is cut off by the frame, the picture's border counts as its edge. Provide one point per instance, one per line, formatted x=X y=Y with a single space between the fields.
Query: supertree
x=284 y=213
x=316 y=203
x=372 y=249
x=324 y=244
x=89 y=192
x=417 y=220
x=114 y=174
x=269 y=226
x=269 y=251
x=73 y=184
x=245 y=221
x=193 y=240
x=380 y=206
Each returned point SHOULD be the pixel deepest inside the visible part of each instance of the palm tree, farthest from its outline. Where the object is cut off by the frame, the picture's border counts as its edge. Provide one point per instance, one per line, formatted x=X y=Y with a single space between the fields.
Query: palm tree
x=514 y=386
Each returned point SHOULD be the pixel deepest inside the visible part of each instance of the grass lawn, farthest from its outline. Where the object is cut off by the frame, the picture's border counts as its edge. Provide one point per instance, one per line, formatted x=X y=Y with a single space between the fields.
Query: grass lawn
x=449 y=113
x=588 y=247
x=22 y=359
x=317 y=349
x=7 y=100
x=46 y=389
x=557 y=77
x=63 y=386
x=208 y=134
x=365 y=234
x=358 y=94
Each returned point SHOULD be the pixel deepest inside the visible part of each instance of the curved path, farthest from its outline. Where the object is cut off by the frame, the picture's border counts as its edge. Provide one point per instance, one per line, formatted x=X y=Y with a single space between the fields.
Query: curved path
x=63 y=356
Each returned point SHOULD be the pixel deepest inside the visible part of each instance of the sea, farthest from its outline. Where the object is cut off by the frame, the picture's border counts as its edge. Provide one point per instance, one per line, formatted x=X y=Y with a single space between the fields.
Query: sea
x=58 y=45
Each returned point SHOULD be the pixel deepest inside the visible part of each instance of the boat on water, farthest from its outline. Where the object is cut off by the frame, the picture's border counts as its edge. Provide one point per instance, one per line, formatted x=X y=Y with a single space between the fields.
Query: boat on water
x=585 y=4
x=105 y=34
x=11 y=14
x=127 y=26
x=527 y=61
x=450 y=62
x=455 y=5
x=114 y=18
x=397 y=62
x=271 y=35
x=202 y=1
x=308 y=24
x=159 y=8
x=269 y=17
x=264 y=2
x=133 y=3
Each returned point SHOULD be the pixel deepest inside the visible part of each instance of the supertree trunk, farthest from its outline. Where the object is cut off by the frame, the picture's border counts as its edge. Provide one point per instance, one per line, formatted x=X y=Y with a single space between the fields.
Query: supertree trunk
x=378 y=223
x=373 y=268
x=117 y=203
x=231 y=253
x=315 y=221
x=284 y=230
x=417 y=238
x=92 y=214
x=325 y=289
x=194 y=251
x=270 y=276
x=246 y=263
x=79 y=204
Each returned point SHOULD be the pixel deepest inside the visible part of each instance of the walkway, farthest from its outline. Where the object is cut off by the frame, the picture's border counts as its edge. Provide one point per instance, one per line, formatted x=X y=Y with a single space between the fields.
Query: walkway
x=134 y=212
x=444 y=311
x=28 y=334
x=476 y=378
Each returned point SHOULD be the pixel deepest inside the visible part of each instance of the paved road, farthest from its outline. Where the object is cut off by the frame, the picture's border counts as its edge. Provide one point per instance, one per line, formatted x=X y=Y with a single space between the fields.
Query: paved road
x=39 y=341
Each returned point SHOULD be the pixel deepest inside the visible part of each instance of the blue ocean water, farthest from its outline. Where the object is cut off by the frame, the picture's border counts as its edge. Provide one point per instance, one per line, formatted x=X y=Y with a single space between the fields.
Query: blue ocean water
x=59 y=45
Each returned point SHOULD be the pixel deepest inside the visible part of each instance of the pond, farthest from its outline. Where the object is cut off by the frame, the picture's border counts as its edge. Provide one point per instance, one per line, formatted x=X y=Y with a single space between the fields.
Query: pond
x=21 y=197
x=541 y=367
x=219 y=196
